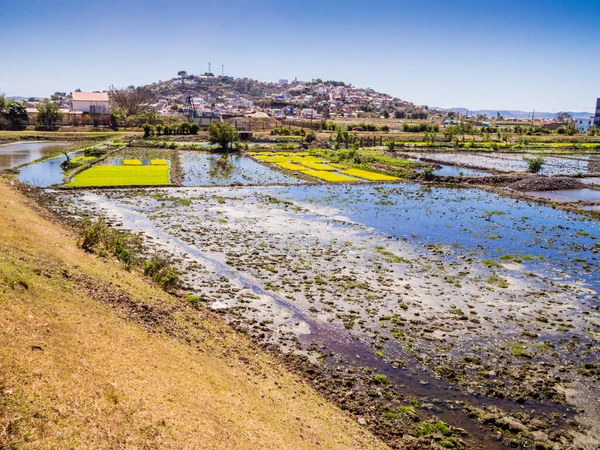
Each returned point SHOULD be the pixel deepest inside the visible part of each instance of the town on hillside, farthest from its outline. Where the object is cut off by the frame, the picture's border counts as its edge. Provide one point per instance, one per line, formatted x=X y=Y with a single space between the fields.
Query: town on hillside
x=207 y=98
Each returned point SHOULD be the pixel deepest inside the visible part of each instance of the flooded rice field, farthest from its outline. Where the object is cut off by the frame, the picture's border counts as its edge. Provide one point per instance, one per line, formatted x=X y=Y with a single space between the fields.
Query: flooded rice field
x=513 y=162
x=463 y=300
x=203 y=169
x=13 y=155
x=457 y=171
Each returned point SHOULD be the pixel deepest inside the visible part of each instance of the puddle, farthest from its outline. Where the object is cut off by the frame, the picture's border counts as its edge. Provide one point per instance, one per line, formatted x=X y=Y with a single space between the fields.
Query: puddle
x=202 y=169
x=13 y=155
x=44 y=173
x=569 y=195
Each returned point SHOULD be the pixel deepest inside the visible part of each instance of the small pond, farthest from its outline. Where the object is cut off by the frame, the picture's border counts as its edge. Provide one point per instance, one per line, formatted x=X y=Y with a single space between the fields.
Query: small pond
x=44 y=173
x=13 y=155
x=568 y=195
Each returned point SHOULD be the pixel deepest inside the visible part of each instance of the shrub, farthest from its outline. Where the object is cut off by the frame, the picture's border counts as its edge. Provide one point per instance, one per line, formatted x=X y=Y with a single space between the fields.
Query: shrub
x=194 y=128
x=160 y=269
x=185 y=128
x=428 y=173
x=194 y=300
x=92 y=234
x=147 y=129
x=534 y=165
x=310 y=136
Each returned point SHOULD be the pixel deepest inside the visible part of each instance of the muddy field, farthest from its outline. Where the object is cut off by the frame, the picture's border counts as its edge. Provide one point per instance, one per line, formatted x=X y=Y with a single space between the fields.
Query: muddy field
x=457 y=304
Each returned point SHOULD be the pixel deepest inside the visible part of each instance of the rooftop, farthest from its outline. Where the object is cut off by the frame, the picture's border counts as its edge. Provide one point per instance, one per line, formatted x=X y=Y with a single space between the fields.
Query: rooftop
x=90 y=96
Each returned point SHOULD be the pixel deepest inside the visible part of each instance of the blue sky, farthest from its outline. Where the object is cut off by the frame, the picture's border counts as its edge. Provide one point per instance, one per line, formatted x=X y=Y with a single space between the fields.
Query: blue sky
x=508 y=54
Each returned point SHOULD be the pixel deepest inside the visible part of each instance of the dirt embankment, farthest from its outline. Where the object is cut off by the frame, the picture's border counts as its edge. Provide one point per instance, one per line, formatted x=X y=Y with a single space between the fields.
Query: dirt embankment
x=94 y=356
x=541 y=183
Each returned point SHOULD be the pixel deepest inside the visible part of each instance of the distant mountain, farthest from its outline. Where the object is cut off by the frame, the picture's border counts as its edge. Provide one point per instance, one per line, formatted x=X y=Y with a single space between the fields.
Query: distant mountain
x=514 y=114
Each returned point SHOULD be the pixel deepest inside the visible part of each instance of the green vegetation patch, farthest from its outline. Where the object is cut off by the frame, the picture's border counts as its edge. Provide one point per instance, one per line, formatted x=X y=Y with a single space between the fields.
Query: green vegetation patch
x=122 y=176
x=82 y=159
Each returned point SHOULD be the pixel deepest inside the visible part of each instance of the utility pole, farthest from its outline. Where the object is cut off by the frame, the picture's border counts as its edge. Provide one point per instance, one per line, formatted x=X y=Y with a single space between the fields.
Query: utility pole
x=532 y=117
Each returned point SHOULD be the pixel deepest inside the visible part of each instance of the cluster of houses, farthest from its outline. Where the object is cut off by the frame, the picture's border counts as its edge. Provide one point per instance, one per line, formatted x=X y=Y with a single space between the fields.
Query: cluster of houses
x=331 y=99
x=306 y=100
x=82 y=108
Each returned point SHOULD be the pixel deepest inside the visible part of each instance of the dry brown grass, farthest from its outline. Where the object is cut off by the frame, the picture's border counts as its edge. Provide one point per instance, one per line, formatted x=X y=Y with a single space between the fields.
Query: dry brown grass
x=78 y=373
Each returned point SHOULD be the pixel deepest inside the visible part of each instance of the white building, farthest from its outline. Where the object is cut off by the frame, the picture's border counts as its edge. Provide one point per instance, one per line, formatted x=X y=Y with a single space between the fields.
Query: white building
x=584 y=125
x=90 y=102
x=308 y=113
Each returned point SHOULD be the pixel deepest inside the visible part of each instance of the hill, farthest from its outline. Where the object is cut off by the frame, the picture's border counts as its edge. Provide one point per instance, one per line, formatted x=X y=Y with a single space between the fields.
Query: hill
x=227 y=95
x=94 y=356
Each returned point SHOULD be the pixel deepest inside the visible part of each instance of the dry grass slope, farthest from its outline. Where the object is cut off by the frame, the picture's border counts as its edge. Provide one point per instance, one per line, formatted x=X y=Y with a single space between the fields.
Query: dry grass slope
x=92 y=356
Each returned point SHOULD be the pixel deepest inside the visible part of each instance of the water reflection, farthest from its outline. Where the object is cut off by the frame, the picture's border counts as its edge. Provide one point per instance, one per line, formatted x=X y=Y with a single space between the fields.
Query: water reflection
x=14 y=155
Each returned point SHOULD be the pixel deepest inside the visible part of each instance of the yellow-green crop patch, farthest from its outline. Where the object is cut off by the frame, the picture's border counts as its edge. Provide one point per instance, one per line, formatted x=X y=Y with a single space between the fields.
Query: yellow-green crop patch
x=159 y=162
x=339 y=166
x=329 y=176
x=366 y=175
x=292 y=166
x=132 y=162
x=317 y=166
x=122 y=176
x=81 y=159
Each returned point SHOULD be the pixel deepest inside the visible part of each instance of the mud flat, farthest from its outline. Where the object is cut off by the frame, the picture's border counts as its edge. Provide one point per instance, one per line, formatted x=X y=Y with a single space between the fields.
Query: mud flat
x=449 y=304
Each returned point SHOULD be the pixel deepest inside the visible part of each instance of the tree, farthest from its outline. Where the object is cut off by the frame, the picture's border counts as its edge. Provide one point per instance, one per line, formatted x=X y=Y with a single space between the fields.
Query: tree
x=223 y=134
x=564 y=117
x=48 y=114
x=130 y=101
x=15 y=111
x=182 y=74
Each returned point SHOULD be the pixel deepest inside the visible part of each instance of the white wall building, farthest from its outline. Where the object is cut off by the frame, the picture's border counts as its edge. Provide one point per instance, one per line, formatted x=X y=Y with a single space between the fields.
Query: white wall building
x=308 y=113
x=584 y=125
x=91 y=102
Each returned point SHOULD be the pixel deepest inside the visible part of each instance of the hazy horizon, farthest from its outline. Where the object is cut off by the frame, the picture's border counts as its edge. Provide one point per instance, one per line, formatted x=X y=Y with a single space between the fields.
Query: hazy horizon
x=518 y=55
